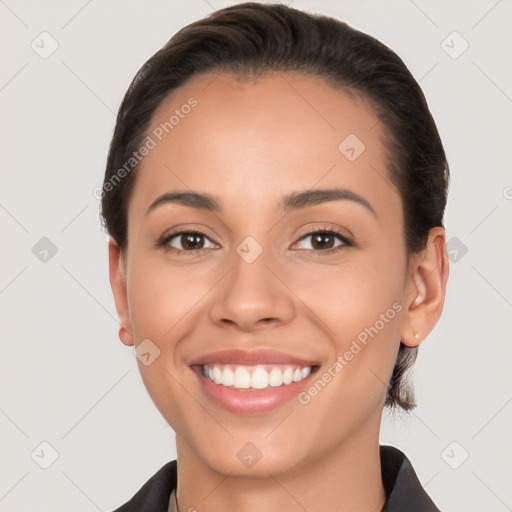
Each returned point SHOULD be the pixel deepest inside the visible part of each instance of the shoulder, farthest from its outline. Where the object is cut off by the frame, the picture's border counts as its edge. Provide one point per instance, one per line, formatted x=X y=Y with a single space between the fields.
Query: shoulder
x=154 y=494
x=402 y=485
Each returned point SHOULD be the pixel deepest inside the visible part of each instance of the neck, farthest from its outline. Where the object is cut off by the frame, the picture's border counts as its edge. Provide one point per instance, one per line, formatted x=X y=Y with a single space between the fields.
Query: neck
x=348 y=477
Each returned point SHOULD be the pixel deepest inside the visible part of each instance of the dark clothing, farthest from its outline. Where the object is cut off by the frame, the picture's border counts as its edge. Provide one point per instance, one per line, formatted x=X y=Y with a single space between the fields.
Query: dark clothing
x=403 y=490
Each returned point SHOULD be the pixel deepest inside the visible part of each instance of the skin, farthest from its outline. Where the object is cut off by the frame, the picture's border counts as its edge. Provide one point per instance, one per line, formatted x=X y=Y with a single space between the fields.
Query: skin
x=249 y=143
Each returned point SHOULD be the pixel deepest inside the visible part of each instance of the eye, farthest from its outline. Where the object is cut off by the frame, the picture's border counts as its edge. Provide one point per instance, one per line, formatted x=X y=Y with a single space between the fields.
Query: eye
x=186 y=241
x=323 y=240
x=193 y=241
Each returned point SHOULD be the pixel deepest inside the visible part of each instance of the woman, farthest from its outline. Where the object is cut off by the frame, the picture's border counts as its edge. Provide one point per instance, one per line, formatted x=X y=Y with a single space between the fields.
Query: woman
x=274 y=195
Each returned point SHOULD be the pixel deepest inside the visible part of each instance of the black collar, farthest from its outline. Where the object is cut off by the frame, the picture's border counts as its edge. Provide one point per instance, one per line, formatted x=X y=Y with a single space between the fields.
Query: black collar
x=403 y=489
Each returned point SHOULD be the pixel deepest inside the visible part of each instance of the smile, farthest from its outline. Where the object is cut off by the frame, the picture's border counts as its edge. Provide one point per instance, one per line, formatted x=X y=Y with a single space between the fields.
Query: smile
x=252 y=390
x=254 y=377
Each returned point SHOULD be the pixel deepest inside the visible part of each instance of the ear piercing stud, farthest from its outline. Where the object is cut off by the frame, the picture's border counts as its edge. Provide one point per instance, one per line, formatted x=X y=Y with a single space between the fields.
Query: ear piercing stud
x=417 y=335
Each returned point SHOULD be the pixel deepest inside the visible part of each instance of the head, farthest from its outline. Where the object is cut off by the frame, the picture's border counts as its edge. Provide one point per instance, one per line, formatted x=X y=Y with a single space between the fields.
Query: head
x=252 y=106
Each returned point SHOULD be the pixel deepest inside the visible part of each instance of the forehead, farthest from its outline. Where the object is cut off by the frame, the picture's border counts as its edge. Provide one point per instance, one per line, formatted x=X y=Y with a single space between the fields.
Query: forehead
x=263 y=137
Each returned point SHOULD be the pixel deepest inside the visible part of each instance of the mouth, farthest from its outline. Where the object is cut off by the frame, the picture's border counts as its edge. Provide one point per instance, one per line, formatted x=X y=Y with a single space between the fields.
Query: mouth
x=255 y=388
x=255 y=377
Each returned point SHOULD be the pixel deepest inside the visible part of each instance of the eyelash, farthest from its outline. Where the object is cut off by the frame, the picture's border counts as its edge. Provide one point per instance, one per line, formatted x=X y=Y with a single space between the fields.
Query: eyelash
x=346 y=241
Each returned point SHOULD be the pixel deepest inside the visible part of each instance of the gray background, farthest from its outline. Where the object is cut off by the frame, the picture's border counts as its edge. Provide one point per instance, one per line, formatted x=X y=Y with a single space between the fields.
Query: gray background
x=67 y=380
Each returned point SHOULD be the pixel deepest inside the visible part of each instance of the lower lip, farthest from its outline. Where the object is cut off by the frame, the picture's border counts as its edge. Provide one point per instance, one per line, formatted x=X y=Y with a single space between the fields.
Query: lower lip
x=248 y=401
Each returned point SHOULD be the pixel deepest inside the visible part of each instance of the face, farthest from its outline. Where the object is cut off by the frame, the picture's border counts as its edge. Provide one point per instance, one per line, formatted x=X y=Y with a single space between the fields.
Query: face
x=320 y=278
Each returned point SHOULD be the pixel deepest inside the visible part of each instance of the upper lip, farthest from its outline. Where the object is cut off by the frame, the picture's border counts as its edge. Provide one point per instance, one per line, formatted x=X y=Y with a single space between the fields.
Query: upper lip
x=238 y=356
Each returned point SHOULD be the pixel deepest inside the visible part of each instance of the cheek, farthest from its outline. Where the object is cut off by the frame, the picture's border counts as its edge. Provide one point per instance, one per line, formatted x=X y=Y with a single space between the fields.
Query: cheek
x=360 y=303
x=160 y=296
x=353 y=295
x=162 y=301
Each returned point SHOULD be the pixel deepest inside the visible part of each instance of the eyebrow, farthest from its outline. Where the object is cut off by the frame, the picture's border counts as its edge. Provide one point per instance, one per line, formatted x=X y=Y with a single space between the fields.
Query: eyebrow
x=293 y=201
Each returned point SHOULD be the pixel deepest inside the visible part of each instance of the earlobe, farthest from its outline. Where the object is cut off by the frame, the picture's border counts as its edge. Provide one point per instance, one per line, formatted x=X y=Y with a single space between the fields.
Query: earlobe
x=427 y=289
x=117 y=275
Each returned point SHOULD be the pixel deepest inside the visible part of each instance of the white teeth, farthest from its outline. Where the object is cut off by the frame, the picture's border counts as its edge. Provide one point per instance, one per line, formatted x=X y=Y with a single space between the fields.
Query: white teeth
x=259 y=379
x=276 y=377
x=240 y=377
x=217 y=375
x=228 y=377
x=305 y=372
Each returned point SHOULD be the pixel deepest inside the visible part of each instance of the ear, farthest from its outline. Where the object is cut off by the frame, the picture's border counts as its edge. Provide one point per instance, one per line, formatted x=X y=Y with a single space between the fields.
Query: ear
x=425 y=289
x=117 y=273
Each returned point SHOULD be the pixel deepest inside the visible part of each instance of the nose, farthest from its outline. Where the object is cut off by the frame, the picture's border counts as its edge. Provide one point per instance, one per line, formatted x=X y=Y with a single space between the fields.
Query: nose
x=253 y=295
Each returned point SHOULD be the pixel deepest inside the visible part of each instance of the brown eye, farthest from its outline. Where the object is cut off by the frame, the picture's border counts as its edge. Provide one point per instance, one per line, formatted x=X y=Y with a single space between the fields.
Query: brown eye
x=187 y=241
x=325 y=240
x=192 y=241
